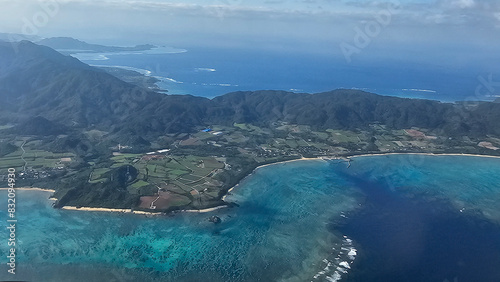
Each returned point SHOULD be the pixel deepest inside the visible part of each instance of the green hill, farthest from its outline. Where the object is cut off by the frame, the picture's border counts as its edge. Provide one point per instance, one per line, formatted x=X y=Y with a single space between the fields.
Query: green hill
x=38 y=81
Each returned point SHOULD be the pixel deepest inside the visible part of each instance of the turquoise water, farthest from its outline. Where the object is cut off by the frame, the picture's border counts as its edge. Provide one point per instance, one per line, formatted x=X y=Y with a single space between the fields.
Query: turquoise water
x=300 y=221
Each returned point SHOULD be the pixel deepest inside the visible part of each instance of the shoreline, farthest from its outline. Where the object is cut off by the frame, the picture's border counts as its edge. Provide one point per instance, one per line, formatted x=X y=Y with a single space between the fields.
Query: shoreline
x=347 y=157
x=266 y=165
x=426 y=154
x=89 y=209
x=30 y=189
x=207 y=210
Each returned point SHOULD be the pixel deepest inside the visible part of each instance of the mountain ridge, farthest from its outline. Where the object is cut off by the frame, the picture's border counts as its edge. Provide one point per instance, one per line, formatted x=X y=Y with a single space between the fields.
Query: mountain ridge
x=59 y=105
x=38 y=81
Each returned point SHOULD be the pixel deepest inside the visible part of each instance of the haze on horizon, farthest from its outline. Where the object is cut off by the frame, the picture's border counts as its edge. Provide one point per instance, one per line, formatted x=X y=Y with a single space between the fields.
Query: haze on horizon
x=439 y=33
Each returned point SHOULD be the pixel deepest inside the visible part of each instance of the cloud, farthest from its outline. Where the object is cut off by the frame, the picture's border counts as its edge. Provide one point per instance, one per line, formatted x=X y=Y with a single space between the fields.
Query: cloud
x=465 y=3
x=265 y=20
x=441 y=11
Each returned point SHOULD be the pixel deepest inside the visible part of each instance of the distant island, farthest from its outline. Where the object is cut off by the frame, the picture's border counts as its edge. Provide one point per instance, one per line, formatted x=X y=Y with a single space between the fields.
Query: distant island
x=71 y=45
x=101 y=142
x=134 y=77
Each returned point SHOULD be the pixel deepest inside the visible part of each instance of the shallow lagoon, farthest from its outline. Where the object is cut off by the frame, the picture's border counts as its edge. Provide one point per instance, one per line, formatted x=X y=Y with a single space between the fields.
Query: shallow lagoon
x=416 y=218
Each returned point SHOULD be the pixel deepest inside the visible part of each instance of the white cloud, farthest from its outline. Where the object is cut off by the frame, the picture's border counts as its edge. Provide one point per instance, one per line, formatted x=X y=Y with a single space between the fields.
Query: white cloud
x=465 y=3
x=441 y=11
x=199 y=19
x=497 y=15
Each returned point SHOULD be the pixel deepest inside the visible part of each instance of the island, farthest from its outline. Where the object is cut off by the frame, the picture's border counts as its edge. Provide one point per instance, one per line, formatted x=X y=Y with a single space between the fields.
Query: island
x=194 y=171
x=106 y=144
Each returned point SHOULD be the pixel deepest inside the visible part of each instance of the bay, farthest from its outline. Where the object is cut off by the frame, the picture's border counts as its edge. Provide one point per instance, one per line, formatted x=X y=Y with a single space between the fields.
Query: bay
x=390 y=218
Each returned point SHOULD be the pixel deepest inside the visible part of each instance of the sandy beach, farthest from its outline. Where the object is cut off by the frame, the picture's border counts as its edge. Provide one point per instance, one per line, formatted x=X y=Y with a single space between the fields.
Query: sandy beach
x=290 y=161
x=205 y=210
x=425 y=154
x=72 y=208
x=347 y=157
x=31 y=189
x=270 y=164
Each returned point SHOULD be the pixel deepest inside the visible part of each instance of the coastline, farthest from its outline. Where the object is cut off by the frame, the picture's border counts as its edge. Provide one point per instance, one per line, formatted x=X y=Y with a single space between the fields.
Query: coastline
x=425 y=154
x=347 y=157
x=207 y=210
x=31 y=189
x=73 y=208
x=270 y=164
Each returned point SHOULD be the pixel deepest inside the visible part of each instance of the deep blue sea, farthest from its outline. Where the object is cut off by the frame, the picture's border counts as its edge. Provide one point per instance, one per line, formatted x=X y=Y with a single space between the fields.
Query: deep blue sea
x=385 y=218
x=211 y=72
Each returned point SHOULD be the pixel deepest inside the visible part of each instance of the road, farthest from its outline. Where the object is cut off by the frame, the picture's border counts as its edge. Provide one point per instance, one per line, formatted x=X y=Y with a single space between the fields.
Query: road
x=22 y=156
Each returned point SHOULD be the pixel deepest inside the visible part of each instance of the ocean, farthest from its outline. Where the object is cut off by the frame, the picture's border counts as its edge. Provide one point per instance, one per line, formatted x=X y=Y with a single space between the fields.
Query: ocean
x=384 y=218
x=211 y=72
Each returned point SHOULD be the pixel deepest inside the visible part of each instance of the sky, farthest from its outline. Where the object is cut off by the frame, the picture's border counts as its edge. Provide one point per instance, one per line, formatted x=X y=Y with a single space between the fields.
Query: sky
x=192 y=20
x=444 y=32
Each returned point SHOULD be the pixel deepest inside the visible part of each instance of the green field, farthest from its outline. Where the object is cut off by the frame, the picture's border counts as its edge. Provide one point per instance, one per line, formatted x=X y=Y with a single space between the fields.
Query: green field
x=12 y=162
x=321 y=135
x=139 y=184
x=340 y=136
x=179 y=175
x=34 y=158
x=248 y=127
x=292 y=143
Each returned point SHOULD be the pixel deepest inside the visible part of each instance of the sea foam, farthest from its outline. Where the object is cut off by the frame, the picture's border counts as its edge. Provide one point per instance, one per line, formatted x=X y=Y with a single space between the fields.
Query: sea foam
x=341 y=264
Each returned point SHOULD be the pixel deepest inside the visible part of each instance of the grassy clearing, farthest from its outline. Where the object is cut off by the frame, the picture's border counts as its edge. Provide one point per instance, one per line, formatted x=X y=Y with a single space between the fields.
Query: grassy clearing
x=203 y=135
x=190 y=178
x=292 y=143
x=100 y=180
x=6 y=163
x=175 y=173
x=248 y=127
x=321 y=135
x=302 y=143
x=98 y=174
x=34 y=158
x=139 y=184
x=320 y=146
x=341 y=136
x=386 y=145
x=179 y=201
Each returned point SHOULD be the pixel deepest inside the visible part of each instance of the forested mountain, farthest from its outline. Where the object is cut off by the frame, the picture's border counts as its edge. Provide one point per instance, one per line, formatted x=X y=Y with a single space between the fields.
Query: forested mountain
x=37 y=81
